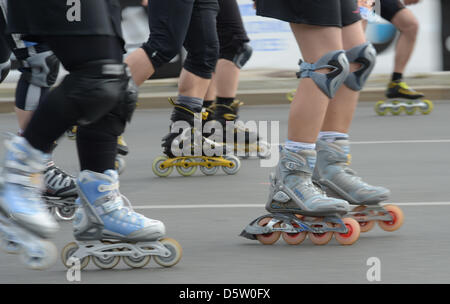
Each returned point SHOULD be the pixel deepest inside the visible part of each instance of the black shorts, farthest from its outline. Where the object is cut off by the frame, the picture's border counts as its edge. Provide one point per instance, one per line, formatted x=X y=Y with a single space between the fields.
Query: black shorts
x=230 y=28
x=389 y=8
x=55 y=17
x=313 y=12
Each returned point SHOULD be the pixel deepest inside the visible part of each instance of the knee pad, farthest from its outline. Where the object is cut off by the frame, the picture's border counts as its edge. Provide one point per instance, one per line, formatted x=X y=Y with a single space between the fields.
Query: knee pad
x=202 y=60
x=365 y=55
x=330 y=82
x=160 y=55
x=41 y=69
x=5 y=67
x=243 y=55
x=99 y=87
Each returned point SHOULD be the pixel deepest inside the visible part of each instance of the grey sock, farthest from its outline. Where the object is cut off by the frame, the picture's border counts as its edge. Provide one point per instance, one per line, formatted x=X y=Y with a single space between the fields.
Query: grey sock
x=192 y=103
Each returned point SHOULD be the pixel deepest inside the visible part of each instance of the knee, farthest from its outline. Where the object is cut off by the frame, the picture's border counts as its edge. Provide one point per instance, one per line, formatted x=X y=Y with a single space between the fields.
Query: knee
x=202 y=60
x=411 y=27
x=160 y=52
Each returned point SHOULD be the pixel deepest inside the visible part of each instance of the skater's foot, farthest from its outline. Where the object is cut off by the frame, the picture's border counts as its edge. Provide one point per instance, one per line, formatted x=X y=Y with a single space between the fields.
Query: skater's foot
x=399 y=89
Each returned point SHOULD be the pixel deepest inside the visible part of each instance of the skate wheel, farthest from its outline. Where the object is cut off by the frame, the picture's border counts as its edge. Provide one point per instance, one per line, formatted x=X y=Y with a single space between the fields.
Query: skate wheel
x=119 y=164
x=396 y=111
x=411 y=110
x=353 y=232
x=290 y=95
x=106 y=262
x=137 y=262
x=184 y=169
x=380 y=111
x=429 y=107
x=397 y=218
x=176 y=253
x=67 y=253
x=294 y=238
x=66 y=213
x=268 y=238
x=234 y=167
x=321 y=238
x=159 y=169
x=209 y=169
x=44 y=259
x=10 y=246
x=365 y=226
x=264 y=150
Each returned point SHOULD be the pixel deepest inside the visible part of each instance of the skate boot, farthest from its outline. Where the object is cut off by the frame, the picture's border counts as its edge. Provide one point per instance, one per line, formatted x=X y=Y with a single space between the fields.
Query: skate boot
x=122 y=150
x=24 y=220
x=60 y=192
x=192 y=149
x=245 y=142
x=335 y=176
x=299 y=208
x=106 y=230
x=402 y=98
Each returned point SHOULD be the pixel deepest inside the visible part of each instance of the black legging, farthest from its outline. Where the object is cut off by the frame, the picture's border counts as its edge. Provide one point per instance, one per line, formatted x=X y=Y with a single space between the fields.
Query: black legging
x=97 y=147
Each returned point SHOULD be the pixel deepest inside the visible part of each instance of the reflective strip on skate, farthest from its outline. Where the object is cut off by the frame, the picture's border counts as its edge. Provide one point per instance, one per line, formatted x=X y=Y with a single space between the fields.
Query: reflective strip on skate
x=202 y=206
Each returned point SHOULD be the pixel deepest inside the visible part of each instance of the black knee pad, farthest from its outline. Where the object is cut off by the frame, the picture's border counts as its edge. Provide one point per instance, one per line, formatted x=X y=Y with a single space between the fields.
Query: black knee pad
x=40 y=69
x=5 y=67
x=97 y=88
x=202 y=59
x=239 y=56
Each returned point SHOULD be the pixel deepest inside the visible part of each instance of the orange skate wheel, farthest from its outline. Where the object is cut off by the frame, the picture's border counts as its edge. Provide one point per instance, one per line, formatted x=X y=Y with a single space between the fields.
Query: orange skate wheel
x=353 y=232
x=294 y=238
x=365 y=226
x=268 y=238
x=321 y=238
x=397 y=218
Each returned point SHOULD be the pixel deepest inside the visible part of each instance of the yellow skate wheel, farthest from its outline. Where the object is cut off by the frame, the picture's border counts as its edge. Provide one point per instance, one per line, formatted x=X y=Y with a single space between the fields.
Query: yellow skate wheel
x=321 y=238
x=411 y=110
x=268 y=238
x=353 y=232
x=379 y=110
x=294 y=238
x=365 y=226
x=176 y=252
x=185 y=168
x=68 y=251
x=106 y=262
x=290 y=95
x=429 y=107
x=397 y=218
x=396 y=111
x=159 y=168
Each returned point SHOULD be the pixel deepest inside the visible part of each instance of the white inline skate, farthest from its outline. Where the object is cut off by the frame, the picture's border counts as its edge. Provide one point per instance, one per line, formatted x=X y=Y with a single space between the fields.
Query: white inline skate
x=24 y=219
x=106 y=230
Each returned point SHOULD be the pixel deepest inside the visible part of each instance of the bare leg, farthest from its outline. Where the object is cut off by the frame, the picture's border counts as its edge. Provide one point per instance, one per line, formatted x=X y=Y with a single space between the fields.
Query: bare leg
x=407 y=24
x=341 y=109
x=140 y=66
x=23 y=117
x=310 y=104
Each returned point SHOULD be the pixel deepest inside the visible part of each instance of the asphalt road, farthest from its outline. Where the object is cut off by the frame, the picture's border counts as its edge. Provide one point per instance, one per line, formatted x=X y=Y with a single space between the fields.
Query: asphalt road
x=408 y=154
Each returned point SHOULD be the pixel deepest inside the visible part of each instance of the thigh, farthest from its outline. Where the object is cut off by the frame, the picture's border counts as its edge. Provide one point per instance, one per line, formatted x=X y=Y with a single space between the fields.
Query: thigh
x=230 y=27
x=202 y=32
x=390 y=8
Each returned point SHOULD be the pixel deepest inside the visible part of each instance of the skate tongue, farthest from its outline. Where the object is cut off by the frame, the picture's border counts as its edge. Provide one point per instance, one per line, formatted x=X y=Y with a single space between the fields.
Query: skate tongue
x=113 y=174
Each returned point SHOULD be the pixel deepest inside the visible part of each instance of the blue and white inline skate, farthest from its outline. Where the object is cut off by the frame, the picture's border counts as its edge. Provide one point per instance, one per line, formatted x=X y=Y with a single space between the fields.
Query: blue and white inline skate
x=106 y=230
x=298 y=208
x=25 y=222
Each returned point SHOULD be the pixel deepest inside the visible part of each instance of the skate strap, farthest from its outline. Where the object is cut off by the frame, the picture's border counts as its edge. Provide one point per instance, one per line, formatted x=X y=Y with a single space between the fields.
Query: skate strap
x=109 y=206
x=28 y=180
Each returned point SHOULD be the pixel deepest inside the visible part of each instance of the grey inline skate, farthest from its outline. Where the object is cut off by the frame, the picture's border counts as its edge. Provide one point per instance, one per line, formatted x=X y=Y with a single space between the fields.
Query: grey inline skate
x=335 y=176
x=299 y=208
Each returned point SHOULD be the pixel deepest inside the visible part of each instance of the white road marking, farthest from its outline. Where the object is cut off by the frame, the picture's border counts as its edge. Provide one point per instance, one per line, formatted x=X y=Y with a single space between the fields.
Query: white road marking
x=406 y=141
x=223 y=206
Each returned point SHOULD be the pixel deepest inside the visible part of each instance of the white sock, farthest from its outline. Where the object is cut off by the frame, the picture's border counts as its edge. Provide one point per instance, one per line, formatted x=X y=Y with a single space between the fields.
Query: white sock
x=330 y=136
x=296 y=147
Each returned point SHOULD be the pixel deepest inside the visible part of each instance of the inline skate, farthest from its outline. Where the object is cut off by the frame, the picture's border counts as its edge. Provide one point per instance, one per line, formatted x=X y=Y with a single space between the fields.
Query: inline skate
x=122 y=149
x=25 y=222
x=402 y=98
x=335 y=176
x=245 y=142
x=190 y=141
x=60 y=192
x=298 y=208
x=107 y=230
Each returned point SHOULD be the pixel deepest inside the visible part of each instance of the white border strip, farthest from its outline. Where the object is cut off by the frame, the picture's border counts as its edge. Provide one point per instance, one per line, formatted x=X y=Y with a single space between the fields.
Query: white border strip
x=223 y=206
